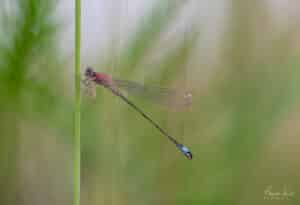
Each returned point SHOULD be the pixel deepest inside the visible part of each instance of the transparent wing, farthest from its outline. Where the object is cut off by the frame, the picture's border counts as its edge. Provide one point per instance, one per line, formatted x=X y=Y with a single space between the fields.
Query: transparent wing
x=164 y=96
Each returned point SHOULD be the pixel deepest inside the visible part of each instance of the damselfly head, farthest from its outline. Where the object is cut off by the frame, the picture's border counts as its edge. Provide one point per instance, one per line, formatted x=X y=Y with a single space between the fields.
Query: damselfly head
x=89 y=72
x=88 y=83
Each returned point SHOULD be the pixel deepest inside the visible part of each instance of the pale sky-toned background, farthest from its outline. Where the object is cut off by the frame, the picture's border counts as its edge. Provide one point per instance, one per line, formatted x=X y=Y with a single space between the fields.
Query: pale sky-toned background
x=99 y=15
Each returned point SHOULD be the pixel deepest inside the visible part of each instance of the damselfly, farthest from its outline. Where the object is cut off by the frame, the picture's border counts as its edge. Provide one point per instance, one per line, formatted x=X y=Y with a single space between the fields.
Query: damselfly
x=93 y=78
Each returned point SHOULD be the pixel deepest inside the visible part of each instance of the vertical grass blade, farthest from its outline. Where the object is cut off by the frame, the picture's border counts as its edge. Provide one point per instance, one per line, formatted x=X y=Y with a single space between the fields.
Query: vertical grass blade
x=77 y=105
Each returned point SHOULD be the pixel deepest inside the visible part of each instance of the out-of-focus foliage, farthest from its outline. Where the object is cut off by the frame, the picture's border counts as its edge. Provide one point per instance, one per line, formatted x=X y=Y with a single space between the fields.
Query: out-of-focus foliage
x=242 y=126
x=34 y=114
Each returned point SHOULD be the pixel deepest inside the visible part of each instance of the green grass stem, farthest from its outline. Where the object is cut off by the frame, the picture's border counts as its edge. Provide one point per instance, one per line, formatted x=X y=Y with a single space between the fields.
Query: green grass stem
x=77 y=105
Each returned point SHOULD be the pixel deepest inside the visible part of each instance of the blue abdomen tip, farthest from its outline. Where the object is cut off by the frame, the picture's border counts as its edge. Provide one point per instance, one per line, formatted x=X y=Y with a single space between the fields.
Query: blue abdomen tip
x=185 y=151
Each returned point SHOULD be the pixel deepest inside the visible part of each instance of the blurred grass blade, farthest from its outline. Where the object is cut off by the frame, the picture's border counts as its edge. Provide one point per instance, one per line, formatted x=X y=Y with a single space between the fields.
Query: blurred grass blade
x=148 y=33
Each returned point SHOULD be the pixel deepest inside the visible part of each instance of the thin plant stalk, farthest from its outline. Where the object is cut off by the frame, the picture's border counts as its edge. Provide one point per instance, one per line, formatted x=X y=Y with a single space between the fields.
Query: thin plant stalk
x=77 y=76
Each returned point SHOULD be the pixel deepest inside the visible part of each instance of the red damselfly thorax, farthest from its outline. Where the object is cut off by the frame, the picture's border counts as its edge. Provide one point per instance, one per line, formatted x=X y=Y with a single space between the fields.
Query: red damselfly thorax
x=93 y=78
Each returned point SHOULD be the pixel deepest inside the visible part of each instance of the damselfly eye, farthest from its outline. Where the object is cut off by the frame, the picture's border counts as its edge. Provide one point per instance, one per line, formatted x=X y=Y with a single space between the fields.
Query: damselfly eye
x=89 y=72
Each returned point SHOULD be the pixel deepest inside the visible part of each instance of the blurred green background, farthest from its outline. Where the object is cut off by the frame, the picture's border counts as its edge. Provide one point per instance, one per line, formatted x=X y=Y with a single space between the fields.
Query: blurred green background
x=243 y=125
